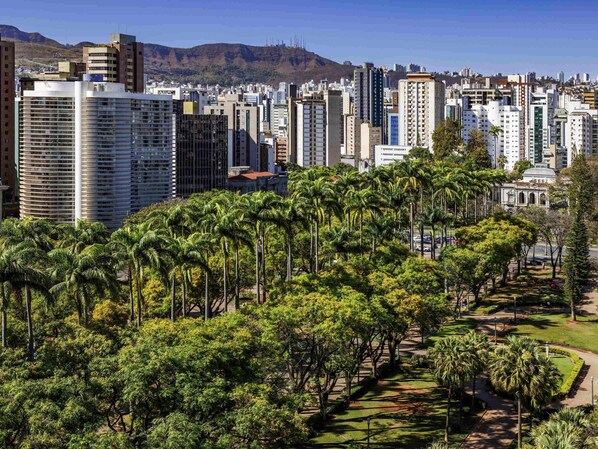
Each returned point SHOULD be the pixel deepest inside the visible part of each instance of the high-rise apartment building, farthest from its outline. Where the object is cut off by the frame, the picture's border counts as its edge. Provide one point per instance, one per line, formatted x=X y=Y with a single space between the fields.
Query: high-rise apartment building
x=522 y=86
x=7 y=118
x=334 y=126
x=280 y=119
x=93 y=151
x=369 y=94
x=540 y=130
x=120 y=61
x=311 y=132
x=353 y=136
x=393 y=127
x=421 y=109
x=510 y=121
x=201 y=153
x=243 y=130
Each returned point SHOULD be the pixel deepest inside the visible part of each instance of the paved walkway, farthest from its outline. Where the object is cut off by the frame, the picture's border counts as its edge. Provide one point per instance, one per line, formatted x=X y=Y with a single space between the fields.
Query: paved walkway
x=498 y=427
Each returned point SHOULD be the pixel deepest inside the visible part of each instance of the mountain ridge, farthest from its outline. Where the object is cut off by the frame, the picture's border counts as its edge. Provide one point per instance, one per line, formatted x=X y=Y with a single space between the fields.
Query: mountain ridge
x=213 y=63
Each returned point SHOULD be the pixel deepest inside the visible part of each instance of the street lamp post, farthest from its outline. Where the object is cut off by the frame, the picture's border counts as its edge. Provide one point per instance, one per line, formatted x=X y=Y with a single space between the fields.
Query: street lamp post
x=515 y=309
x=369 y=420
x=592 y=389
x=547 y=350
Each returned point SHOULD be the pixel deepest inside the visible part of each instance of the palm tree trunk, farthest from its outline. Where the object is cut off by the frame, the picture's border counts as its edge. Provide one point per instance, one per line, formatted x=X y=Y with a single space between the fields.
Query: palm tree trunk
x=207 y=306
x=448 y=416
x=4 y=318
x=289 y=259
x=131 y=296
x=311 y=247
x=264 y=279
x=225 y=279
x=518 y=423
x=411 y=226
x=237 y=280
x=184 y=301
x=421 y=226
x=360 y=228
x=257 y=268
x=138 y=297
x=173 y=298
x=79 y=310
x=317 y=238
x=433 y=247
x=30 y=336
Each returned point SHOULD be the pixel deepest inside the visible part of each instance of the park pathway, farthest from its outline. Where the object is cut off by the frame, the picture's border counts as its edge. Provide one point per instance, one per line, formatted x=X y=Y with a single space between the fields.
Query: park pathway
x=498 y=427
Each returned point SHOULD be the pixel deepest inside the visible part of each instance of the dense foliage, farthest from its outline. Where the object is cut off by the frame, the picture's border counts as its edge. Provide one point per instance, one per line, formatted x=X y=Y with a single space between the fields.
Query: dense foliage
x=99 y=348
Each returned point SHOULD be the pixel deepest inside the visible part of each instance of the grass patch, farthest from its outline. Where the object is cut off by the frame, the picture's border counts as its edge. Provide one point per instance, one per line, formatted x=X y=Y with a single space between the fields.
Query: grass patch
x=453 y=328
x=557 y=328
x=407 y=409
x=563 y=363
x=532 y=287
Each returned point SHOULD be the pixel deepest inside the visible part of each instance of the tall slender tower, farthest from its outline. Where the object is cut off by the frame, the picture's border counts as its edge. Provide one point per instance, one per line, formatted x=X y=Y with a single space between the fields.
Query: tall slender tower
x=7 y=117
x=369 y=94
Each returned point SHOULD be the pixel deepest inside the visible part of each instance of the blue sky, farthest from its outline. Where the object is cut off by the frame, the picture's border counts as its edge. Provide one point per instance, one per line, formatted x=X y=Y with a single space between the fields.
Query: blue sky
x=505 y=36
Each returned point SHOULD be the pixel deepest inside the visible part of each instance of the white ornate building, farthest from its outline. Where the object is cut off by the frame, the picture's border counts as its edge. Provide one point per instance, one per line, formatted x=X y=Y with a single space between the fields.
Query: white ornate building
x=532 y=190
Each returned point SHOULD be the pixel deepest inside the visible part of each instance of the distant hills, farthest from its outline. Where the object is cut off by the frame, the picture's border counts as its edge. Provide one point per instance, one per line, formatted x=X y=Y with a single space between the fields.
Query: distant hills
x=226 y=64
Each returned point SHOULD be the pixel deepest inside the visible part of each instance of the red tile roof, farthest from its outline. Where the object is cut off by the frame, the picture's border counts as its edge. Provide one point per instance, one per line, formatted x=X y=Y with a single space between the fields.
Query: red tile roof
x=251 y=176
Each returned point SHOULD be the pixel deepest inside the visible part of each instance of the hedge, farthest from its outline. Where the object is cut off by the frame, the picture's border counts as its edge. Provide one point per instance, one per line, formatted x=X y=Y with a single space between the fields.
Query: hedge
x=578 y=364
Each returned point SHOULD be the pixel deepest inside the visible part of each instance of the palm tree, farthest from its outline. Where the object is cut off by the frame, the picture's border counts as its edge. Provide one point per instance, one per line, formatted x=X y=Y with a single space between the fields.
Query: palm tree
x=18 y=270
x=360 y=202
x=432 y=216
x=517 y=368
x=320 y=196
x=293 y=213
x=411 y=175
x=477 y=351
x=566 y=429
x=37 y=234
x=260 y=209
x=81 y=235
x=502 y=161
x=83 y=274
x=450 y=367
x=495 y=132
x=136 y=248
x=224 y=221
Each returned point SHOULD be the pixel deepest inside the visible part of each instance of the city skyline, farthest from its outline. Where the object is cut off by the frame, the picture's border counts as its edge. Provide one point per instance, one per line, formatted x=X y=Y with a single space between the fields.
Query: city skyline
x=508 y=37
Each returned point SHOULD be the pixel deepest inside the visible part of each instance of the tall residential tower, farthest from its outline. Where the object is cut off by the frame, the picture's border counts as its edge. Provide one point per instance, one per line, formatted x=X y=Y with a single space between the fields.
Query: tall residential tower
x=7 y=117
x=369 y=94
x=120 y=61
x=93 y=151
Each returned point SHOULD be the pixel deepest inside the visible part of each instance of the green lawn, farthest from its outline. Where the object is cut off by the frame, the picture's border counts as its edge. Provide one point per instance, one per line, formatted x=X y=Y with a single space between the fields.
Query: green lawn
x=453 y=328
x=557 y=328
x=563 y=363
x=531 y=288
x=406 y=410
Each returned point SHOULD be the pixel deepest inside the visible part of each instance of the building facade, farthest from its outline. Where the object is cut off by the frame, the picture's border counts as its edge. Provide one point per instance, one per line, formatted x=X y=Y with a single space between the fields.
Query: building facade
x=369 y=94
x=120 y=61
x=7 y=118
x=311 y=132
x=421 y=109
x=243 y=130
x=509 y=119
x=201 y=153
x=93 y=151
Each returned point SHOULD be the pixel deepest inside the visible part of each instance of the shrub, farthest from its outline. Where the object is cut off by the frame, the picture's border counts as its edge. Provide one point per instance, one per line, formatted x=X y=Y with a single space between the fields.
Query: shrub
x=569 y=381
